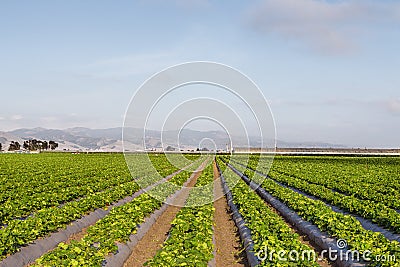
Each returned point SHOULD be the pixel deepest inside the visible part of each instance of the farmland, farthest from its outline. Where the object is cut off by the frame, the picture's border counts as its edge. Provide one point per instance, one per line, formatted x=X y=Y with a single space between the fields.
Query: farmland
x=61 y=209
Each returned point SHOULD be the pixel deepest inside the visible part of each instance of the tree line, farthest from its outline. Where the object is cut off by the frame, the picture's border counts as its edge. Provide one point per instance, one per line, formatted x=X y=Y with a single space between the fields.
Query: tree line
x=32 y=145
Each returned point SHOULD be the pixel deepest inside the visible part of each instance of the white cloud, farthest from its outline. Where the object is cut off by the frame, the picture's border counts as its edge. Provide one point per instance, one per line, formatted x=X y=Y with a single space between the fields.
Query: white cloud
x=327 y=26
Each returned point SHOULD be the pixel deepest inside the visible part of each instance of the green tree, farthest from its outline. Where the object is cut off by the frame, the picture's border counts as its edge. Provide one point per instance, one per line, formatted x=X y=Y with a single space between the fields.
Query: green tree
x=14 y=146
x=53 y=145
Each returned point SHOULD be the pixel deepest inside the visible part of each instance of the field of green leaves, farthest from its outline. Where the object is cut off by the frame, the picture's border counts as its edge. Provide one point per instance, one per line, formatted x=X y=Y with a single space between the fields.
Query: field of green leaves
x=42 y=194
x=360 y=186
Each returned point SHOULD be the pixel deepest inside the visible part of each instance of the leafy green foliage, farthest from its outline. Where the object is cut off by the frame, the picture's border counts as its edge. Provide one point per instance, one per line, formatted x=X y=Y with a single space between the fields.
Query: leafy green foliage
x=190 y=237
x=21 y=232
x=372 y=206
x=106 y=180
x=268 y=229
x=366 y=178
x=29 y=183
x=101 y=238
x=336 y=224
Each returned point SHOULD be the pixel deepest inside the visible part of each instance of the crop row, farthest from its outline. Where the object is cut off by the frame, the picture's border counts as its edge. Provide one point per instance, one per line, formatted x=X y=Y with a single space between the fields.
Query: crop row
x=27 y=204
x=377 y=212
x=117 y=226
x=190 y=237
x=61 y=189
x=366 y=178
x=336 y=224
x=382 y=172
x=269 y=231
x=20 y=232
x=31 y=174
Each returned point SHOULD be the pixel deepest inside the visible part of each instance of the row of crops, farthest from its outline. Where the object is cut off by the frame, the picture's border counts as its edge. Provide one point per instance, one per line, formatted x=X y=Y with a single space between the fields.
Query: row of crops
x=42 y=193
x=54 y=179
x=374 y=179
x=376 y=206
x=46 y=192
x=379 y=204
x=102 y=237
x=267 y=228
x=314 y=176
x=190 y=241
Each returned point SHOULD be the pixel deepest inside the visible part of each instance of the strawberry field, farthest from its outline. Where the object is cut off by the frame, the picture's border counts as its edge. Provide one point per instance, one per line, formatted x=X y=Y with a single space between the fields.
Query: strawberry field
x=61 y=209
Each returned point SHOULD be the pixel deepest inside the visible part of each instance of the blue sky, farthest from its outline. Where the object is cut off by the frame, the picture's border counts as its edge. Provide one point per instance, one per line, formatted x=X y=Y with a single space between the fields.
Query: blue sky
x=330 y=69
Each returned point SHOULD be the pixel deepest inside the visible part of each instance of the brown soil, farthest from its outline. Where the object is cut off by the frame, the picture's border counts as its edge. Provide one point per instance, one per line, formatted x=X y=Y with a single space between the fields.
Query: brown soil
x=77 y=236
x=229 y=250
x=152 y=241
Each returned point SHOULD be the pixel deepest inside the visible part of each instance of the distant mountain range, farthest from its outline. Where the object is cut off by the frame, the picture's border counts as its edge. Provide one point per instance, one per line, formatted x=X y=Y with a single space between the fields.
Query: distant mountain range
x=86 y=139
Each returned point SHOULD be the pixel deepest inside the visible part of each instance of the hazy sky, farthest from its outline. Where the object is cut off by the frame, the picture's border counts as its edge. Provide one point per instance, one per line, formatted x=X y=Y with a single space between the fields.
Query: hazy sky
x=330 y=69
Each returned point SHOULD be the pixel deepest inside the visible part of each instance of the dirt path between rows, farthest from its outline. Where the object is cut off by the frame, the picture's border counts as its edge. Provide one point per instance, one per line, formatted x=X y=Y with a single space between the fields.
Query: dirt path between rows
x=152 y=241
x=78 y=236
x=229 y=249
